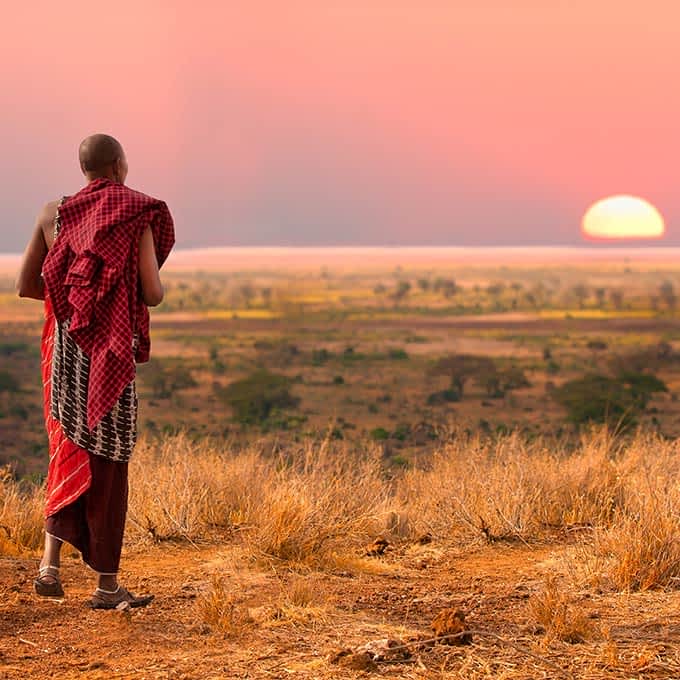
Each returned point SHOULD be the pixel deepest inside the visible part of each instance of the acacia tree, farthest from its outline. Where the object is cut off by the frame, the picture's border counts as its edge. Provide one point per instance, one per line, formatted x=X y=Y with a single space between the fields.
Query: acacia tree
x=459 y=368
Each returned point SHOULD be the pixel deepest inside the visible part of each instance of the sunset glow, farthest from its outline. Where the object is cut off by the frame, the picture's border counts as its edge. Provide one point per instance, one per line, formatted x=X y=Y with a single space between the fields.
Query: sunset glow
x=623 y=217
x=475 y=122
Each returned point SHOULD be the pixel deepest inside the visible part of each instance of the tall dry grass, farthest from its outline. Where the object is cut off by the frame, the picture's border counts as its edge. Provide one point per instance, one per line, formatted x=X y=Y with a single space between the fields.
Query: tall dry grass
x=319 y=504
x=21 y=516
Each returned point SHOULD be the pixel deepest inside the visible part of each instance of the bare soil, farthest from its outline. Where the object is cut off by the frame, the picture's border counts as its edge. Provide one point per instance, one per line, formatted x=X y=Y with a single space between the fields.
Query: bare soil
x=396 y=595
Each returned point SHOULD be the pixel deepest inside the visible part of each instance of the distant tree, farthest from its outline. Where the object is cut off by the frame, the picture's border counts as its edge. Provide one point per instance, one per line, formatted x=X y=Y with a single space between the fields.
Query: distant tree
x=495 y=289
x=459 y=368
x=253 y=399
x=402 y=290
x=266 y=294
x=165 y=379
x=603 y=399
x=247 y=292
x=667 y=293
x=447 y=287
x=580 y=292
x=616 y=297
x=600 y=295
x=424 y=284
x=498 y=381
x=596 y=345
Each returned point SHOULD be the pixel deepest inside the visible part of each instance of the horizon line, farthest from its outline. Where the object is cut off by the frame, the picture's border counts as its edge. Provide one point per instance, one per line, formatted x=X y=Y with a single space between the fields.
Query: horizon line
x=609 y=245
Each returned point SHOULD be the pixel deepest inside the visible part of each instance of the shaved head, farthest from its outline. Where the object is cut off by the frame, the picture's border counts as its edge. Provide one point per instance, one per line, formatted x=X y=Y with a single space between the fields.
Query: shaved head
x=97 y=152
x=102 y=156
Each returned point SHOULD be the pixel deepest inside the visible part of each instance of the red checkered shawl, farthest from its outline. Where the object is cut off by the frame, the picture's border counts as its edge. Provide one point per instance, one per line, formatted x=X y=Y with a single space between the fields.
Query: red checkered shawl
x=91 y=276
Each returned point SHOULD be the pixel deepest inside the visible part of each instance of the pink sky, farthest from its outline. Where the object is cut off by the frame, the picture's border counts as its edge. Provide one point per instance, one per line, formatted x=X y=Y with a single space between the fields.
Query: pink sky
x=349 y=122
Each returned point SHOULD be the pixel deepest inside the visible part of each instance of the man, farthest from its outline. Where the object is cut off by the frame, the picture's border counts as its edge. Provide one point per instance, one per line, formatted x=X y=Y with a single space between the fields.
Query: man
x=94 y=258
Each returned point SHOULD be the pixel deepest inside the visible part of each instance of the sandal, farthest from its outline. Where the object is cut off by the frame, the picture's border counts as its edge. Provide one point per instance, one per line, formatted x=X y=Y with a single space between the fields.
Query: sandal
x=48 y=584
x=106 y=599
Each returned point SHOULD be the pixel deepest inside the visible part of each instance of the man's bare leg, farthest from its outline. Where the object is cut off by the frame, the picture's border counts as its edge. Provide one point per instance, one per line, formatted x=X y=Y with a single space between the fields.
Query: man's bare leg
x=108 y=582
x=52 y=552
x=48 y=584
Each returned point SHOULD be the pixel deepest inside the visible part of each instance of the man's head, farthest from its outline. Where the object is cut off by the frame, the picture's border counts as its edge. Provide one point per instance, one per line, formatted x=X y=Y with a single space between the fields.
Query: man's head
x=103 y=156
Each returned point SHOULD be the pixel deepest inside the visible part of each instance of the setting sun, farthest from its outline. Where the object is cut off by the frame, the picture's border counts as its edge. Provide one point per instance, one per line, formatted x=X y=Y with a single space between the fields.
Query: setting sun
x=623 y=217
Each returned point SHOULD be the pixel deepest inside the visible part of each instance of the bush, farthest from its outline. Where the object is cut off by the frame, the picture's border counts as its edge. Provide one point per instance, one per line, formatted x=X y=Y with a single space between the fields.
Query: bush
x=443 y=397
x=379 y=434
x=8 y=383
x=602 y=399
x=254 y=398
x=8 y=349
x=320 y=356
x=164 y=380
x=397 y=354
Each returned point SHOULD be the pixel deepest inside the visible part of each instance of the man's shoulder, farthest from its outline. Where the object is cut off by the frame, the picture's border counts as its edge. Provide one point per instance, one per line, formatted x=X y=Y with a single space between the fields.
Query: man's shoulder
x=48 y=212
x=134 y=194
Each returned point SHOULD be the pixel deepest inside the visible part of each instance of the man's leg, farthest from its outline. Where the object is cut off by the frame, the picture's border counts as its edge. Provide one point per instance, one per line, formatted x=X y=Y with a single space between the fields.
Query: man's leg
x=48 y=584
x=52 y=552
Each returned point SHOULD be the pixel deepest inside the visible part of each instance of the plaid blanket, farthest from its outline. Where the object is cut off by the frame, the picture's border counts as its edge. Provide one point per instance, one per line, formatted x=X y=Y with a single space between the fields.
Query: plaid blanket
x=91 y=276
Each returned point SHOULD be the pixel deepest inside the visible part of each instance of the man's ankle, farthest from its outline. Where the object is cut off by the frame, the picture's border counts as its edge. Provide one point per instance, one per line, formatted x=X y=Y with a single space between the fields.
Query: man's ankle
x=108 y=584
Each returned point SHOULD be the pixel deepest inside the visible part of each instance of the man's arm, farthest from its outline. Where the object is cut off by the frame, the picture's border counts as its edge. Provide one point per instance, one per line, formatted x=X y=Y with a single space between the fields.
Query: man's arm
x=29 y=282
x=149 y=276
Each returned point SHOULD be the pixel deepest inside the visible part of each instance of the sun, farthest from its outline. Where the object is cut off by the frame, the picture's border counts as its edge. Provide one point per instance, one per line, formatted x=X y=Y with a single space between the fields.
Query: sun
x=623 y=217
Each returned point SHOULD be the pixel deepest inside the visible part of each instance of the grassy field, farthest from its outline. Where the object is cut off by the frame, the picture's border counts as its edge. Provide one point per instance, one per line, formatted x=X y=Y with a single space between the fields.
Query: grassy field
x=361 y=342
x=338 y=453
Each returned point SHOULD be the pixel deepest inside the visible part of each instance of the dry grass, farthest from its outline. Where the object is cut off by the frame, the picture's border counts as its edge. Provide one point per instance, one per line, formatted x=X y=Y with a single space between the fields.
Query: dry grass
x=560 y=617
x=21 y=516
x=220 y=609
x=319 y=505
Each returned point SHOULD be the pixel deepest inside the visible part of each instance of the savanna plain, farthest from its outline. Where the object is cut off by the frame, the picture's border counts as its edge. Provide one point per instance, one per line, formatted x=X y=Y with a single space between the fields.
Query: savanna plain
x=375 y=463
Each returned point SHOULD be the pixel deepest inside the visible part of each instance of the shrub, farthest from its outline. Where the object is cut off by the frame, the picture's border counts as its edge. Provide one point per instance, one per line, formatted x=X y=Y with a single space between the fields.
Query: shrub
x=320 y=356
x=443 y=397
x=165 y=379
x=397 y=354
x=8 y=349
x=379 y=434
x=601 y=399
x=254 y=398
x=8 y=383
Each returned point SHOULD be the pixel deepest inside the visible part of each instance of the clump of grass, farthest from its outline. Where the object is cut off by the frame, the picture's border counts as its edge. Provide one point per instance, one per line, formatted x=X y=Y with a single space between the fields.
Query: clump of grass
x=219 y=608
x=302 y=601
x=327 y=504
x=183 y=489
x=21 y=516
x=640 y=553
x=560 y=618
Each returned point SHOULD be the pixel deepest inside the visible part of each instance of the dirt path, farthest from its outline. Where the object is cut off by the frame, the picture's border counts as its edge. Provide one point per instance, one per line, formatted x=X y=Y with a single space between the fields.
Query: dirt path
x=280 y=624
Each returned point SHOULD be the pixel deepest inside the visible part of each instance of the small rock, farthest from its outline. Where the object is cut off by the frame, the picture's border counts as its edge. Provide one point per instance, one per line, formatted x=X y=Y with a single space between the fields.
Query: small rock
x=449 y=625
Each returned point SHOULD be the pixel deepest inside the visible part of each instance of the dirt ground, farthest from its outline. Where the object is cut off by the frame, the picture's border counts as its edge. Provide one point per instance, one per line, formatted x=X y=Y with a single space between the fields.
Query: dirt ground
x=282 y=624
